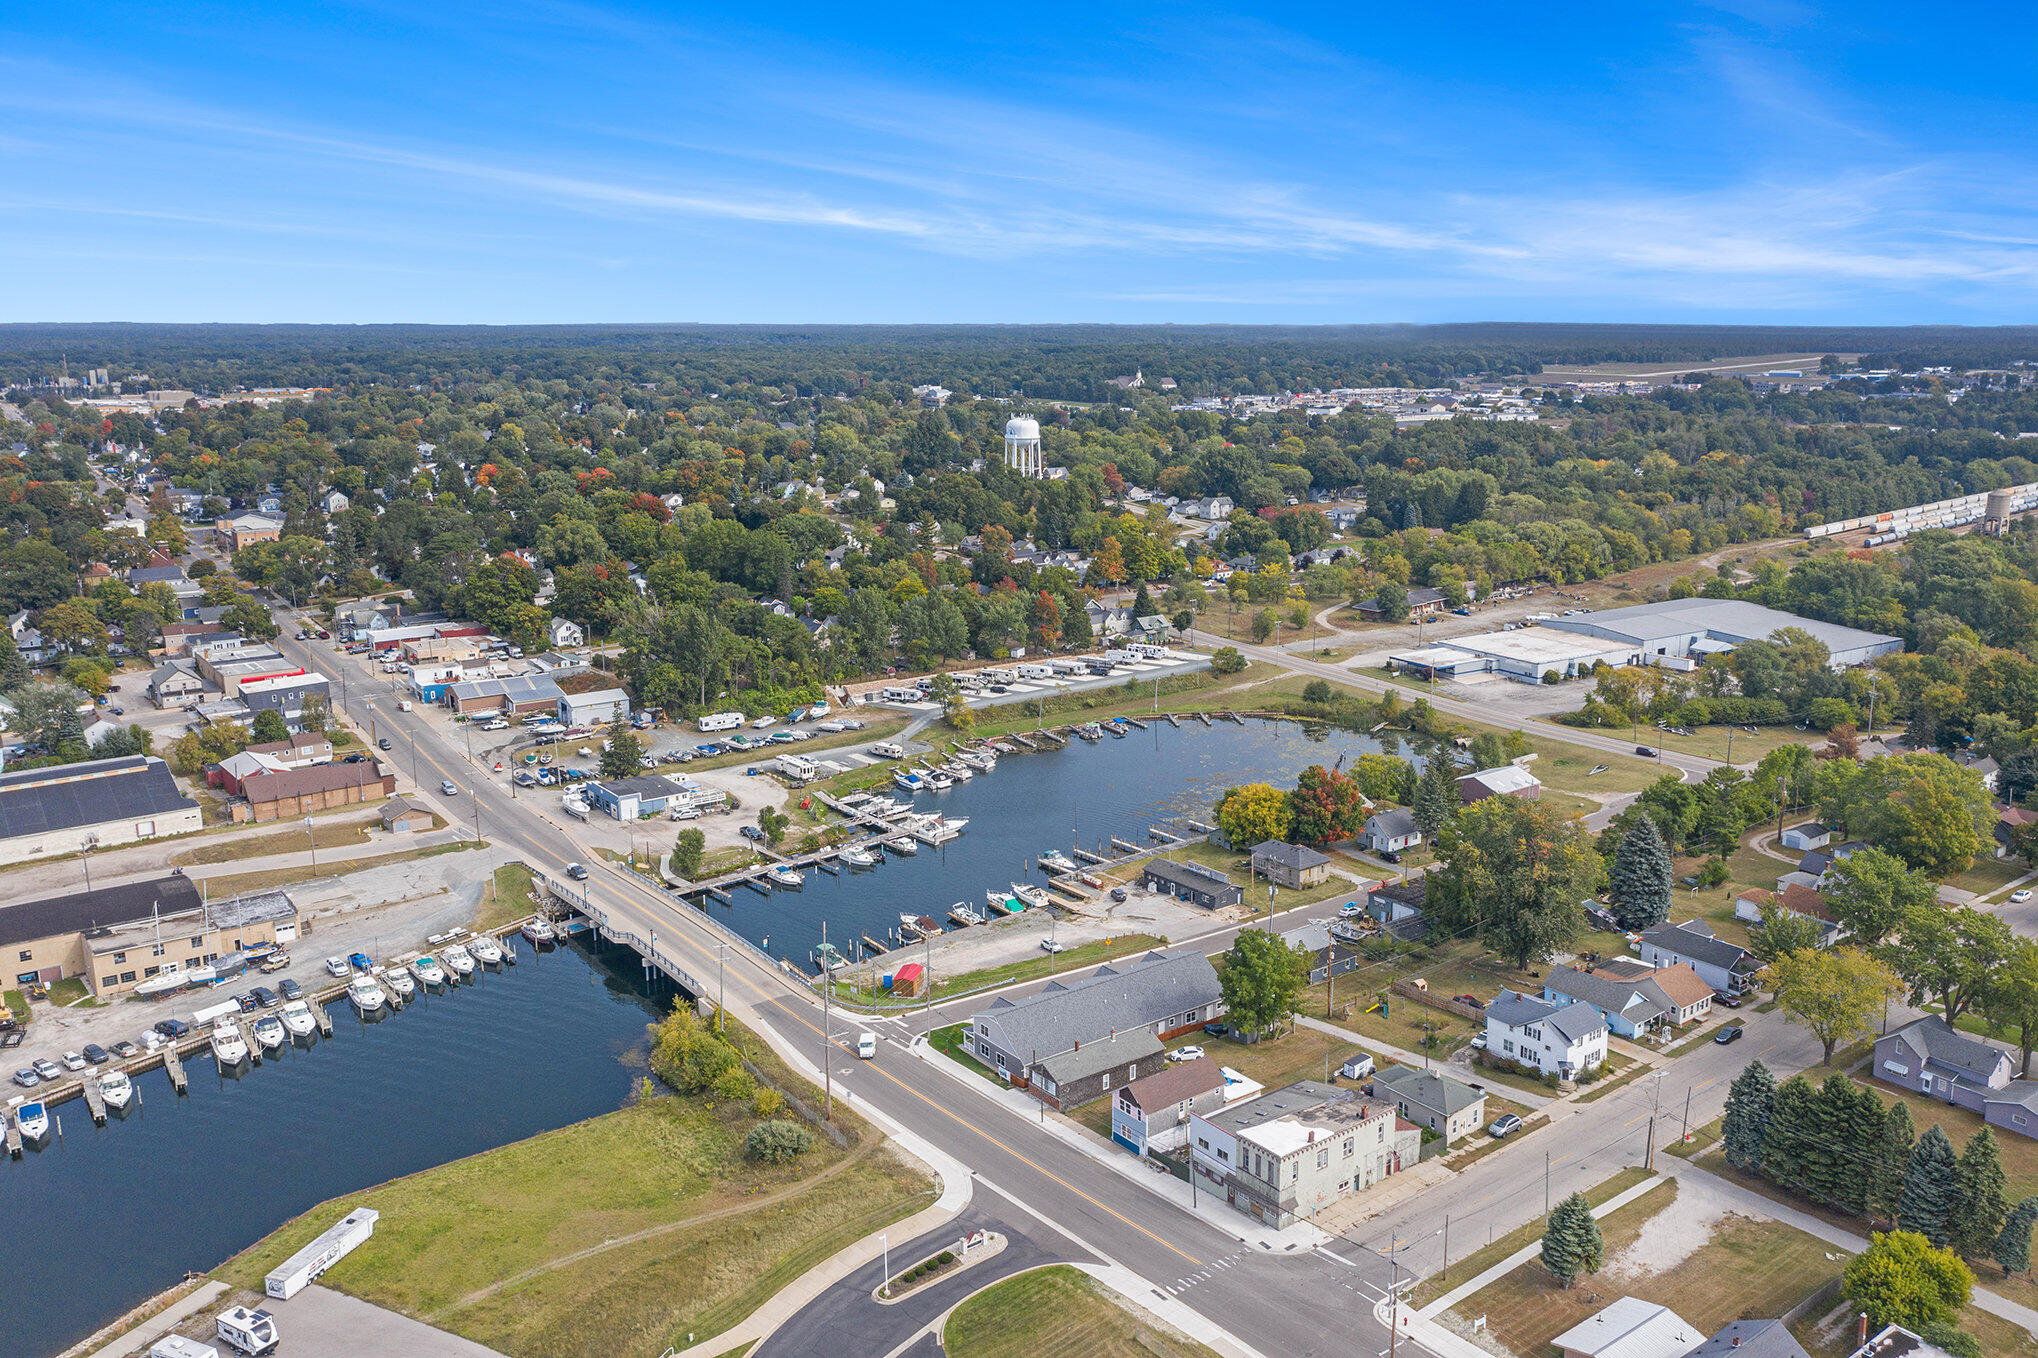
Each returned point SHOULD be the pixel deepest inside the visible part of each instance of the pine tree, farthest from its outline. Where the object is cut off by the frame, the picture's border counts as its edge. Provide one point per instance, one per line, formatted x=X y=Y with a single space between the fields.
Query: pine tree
x=1980 y=1200
x=1930 y=1186
x=1142 y=602
x=1436 y=796
x=1863 y=1142
x=70 y=728
x=1571 y=1241
x=1747 y=1118
x=1639 y=879
x=1829 y=1153
x=1891 y=1157
x=1791 y=1118
x=2012 y=1249
x=13 y=669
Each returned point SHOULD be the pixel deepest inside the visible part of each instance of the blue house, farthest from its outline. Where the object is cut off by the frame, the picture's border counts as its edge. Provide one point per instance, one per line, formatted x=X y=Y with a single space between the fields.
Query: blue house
x=633 y=798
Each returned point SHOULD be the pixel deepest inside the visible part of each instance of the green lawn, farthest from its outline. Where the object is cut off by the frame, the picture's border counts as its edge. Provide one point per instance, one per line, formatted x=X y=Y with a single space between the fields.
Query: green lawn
x=511 y=896
x=1479 y=1260
x=950 y=1042
x=1058 y=1310
x=1298 y=1054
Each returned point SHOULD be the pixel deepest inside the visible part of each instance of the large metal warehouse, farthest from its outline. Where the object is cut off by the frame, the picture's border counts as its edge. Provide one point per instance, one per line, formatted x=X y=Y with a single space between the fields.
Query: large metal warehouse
x=1681 y=629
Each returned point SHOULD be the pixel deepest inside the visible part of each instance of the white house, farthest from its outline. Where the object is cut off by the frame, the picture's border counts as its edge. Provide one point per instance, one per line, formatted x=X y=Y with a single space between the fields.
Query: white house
x=333 y=501
x=1391 y=831
x=1805 y=837
x=1559 y=1040
x=566 y=633
x=1631 y=1328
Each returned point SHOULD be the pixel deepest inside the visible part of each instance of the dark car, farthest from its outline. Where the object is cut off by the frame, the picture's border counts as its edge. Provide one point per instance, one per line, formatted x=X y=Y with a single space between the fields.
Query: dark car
x=97 y=1054
x=1118 y=894
x=174 y=1028
x=247 y=1001
x=354 y=759
x=382 y=744
x=1216 y=1029
x=1726 y=1001
x=124 y=1049
x=577 y=871
x=1390 y=856
x=750 y=832
x=265 y=997
x=1472 y=1000
x=291 y=990
x=1726 y=1035
x=1645 y=752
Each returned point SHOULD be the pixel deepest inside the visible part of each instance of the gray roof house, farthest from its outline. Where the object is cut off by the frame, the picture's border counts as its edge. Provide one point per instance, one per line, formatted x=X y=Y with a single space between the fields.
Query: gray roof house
x=1390 y=830
x=1091 y=1070
x=1630 y=1007
x=1560 y=1040
x=1290 y=864
x=1945 y=1063
x=1164 y=993
x=1442 y=1105
x=1724 y=966
x=1751 y=1339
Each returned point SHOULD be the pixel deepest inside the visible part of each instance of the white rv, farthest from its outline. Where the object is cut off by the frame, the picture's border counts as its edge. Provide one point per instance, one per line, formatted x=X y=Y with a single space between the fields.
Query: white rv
x=1035 y=672
x=719 y=721
x=249 y=1332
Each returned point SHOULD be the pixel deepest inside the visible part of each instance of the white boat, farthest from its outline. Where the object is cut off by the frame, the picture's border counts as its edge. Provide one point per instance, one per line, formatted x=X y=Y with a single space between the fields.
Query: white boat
x=163 y=984
x=200 y=975
x=269 y=1032
x=983 y=761
x=365 y=995
x=902 y=844
x=1034 y=896
x=399 y=980
x=784 y=876
x=297 y=1018
x=955 y=772
x=961 y=913
x=458 y=958
x=909 y=781
x=860 y=858
x=538 y=931
x=935 y=831
x=486 y=950
x=116 y=1089
x=229 y=1048
x=33 y=1118
x=1002 y=902
x=427 y=969
x=913 y=926
x=938 y=781
x=1056 y=859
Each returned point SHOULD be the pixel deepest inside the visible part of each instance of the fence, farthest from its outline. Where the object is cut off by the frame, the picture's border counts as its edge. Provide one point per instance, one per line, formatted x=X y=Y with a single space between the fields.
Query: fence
x=1410 y=990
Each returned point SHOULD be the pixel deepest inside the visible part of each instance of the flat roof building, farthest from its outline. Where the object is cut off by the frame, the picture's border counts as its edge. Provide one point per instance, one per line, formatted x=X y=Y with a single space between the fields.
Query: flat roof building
x=1682 y=627
x=99 y=803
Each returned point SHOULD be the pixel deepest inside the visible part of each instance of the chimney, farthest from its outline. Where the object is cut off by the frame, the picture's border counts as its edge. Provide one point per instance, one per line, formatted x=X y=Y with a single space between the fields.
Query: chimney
x=1737 y=1341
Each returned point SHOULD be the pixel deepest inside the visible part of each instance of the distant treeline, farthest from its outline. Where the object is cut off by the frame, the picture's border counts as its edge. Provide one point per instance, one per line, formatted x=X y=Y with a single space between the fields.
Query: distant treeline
x=1061 y=362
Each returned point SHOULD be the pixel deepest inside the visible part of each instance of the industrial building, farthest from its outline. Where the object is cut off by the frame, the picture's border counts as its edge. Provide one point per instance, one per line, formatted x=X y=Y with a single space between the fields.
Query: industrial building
x=102 y=803
x=1675 y=634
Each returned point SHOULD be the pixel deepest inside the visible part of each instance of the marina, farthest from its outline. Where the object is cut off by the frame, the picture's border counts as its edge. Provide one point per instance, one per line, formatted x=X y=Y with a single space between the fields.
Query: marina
x=316 y=1119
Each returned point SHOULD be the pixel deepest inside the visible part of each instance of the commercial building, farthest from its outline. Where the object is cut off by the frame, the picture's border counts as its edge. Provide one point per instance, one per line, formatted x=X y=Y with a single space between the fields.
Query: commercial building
x=117 y=937
x=44 y=940
x=515 y=697
x=100 y=803
x=400 y=815
x=1162 y=993
x=238 y=532
x=1679 y=629
x=1191 y=882
x=598 y=708
x=1433 y=1101
x=1527 y=654
x=1509 y=780
x=285 y=694
x=298 y=792
x=1290 y=1153
x=646 y=794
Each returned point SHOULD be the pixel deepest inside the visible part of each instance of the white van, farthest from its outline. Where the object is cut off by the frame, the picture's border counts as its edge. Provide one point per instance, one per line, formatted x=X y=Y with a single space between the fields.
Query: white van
x=719 y=721
x=866 y=1045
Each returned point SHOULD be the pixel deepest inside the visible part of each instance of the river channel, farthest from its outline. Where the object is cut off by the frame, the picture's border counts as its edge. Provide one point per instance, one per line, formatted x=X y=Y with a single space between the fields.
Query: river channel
x=100 y=1220
x=1079 y=796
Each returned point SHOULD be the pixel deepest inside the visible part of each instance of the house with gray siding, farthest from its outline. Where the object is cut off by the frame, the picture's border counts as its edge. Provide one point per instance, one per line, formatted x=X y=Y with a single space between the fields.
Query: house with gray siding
x=1944 y=1063
x=1090 y=1070
x=1427 y=1099
x=1726 y=967
x=1163 y=993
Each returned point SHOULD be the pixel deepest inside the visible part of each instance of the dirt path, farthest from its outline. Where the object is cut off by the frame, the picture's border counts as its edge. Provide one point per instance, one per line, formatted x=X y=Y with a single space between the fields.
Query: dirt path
x=653 y=1232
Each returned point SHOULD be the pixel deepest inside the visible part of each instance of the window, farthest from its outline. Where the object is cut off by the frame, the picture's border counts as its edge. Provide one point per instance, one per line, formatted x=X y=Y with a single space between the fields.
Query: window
x=151 y=971
x=108 y=980
x=118 y=958
x=1323 y=1158
x=1350 y=1145
x=2017 y=1118
x=198 y=940
x=126 y=976
x=28 y=954
x=156 y=950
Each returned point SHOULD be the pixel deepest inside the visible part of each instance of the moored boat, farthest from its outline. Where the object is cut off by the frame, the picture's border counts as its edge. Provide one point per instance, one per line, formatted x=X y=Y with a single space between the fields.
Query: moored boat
x=486 y=950
x=298 y=1020
x=902 y=844
x=537 y=931
x=116 y=1089
x=366 y=996
x=787 y=877
x=399 y=980
x=428 y=971
x=962 y=914
x=1003 y=902
x=269 y=1032
x=33 y=1118
x=458 y=958
x=860 y=858
x=908 y=781
x=229 y=1048
x=1032 y=895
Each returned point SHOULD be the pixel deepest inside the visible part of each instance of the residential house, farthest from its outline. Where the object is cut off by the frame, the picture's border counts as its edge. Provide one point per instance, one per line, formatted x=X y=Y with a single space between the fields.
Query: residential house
x=1431 y=1101
x=2011 y=822
x=1331 y=952
x=1212 y=507
x=566 y=633
x=1290 y=1153
x=1390 y=831
x=99 y=803
x=302 y=750
x=175 y=683
x=1794 y=899
x=1630 y=1328
x=28 y=641
x=1290 y=865
x=1164 y=993
x=1816 y=867
x=1090 y=1070
x=1726 y=967
x=1806 y=837
x=1931 y=1058
x=333 y=501
x=245 y=529
x=1561 y=1040
x=1190 y=882
x=1752 y=1339
x=1633 y=998
x=1397 y=906
x=1509 y=780
x=180 y=637
x=1423 y=602
x=1154 y=1112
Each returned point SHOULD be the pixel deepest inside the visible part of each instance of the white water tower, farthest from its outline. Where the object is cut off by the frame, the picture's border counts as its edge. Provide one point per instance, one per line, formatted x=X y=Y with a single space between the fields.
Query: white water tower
x=1022 y=447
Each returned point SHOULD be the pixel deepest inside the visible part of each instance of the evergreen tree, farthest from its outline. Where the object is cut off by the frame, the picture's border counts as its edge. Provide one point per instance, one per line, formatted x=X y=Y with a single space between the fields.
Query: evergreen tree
x=1890 y=1158
x=13 y=669
x=1639 y=879
x=1747 y=1118
x=1142 y=602
x=1571 y=1241
x=1792 y=1116
x=1980 y=1200
x=2012 y=1249
x=1830 y=1155
x=70 y=728
x=1436 y=796
x=1864 y=1142
x=1931 y=1183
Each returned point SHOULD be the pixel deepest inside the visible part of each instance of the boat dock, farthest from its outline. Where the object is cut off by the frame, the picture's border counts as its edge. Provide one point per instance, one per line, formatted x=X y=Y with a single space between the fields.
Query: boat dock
x=13 y=1130
x=1171 y=719
x=173 y=1066
x=873 y=947
x=95 y=1102
x=322 y=1018
x=1229 y=715
x=1089 y=857
x=1165 y=836
x=1136 y=721
x=1022 y=740
x=1203 y=717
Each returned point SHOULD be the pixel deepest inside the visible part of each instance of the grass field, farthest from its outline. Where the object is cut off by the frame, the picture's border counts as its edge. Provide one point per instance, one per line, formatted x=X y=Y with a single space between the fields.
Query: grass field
x=949 y=1042
x=1747 y=1268
x=1479 y=1260
x=620 y=1235
x=1298 y=1054
x=511 y=898
x=343 y=836
x=1058 y=1310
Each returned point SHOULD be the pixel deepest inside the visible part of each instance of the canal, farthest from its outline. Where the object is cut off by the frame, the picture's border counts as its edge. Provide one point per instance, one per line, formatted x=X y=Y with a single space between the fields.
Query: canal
x=1082 y=795
x=94 y=1224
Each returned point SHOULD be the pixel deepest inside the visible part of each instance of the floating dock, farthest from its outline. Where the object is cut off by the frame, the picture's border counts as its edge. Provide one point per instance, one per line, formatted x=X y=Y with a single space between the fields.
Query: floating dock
x=1232 y=716
x=1203 y=717
x=13 y=1131
x=1136 y=721
x=1171 y=719
x=1022 y=740
x=173 y=1066
x=95 y=1102
x=873 y=947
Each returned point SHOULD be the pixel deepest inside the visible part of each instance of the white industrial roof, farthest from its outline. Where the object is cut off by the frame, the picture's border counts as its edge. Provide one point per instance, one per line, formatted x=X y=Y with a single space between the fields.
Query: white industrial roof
x=1732 y=620
x=1632 y=1328
x=1534 y=645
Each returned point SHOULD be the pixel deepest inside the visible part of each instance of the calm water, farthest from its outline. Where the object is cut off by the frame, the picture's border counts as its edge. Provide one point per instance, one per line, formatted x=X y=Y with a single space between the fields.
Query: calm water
x=99 y=1221
x=1081 y=795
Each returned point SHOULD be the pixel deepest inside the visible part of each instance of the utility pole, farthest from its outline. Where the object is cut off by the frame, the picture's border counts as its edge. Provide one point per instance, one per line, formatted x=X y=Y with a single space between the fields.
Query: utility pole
x=1546 y=1183
x=1685 y=1135
x=828 y=1033
x=309 y=833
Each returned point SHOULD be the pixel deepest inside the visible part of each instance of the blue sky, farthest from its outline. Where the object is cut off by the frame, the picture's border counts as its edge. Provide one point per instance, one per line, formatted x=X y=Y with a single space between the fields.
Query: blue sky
x=1761 y=160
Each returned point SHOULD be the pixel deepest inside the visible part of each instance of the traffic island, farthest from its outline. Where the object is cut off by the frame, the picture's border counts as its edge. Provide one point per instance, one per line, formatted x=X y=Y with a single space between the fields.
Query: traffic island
x=971 y=1250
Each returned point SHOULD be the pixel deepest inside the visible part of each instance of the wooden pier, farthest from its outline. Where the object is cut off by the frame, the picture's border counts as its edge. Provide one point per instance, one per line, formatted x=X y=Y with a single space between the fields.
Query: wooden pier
x=1052 y=737
x=1137 y=721
x=173 y=1066
x=873 y=947
x=1171 y=719
x=1203 y=717
x=95 y=1102
x=1200 y=826
x=13 y=1131
x=1022 y=740
x=1165 y=836
x=1089 y=857
x=1232 y=716
x=1122 y=846
x=324 y=1019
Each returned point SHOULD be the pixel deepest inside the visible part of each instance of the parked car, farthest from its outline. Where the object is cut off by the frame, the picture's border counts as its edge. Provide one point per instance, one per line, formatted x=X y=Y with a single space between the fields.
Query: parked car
x=48 y=1069
x=173 y=1029
x=360 y=961
x=290 y=989
x=1216 y=1029
x=26 y=1078
x=1472 y=1000
x=1726 y=1035
x=1190 y=1053
x=74 y=1061
x=1478 y=1042
x=265 y=997
x=1350 y=910
x=1118 y=894
x=97 y=1054
x=336 y=966
x=2020 y=895
x=1505 y=1125
x=246 y=1000
x=1049 y=945
x=1726 y=1001
x=750 y=832
x=124 y=1050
